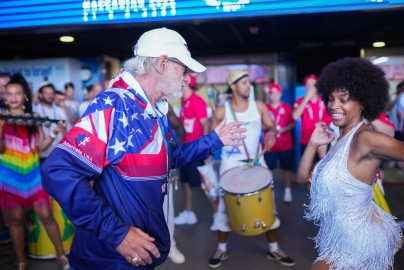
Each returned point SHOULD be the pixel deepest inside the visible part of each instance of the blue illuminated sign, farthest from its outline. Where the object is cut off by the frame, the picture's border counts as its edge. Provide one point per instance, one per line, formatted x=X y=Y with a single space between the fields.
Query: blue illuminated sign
x=26 y=13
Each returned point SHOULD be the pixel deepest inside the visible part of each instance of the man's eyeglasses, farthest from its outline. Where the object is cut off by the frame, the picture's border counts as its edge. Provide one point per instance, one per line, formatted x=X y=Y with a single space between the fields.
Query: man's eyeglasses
x=185 y=68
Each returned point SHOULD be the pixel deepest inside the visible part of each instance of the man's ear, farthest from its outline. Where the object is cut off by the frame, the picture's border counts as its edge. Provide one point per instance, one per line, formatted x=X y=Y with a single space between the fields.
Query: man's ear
x=162 y=64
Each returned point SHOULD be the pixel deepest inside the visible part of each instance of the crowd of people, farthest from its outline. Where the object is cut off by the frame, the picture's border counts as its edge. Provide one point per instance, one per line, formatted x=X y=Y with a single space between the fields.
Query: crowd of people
x=110 y=162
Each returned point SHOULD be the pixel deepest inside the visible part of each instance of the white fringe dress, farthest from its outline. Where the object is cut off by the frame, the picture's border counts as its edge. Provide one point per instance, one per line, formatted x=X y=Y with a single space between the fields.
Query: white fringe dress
x=354 y=234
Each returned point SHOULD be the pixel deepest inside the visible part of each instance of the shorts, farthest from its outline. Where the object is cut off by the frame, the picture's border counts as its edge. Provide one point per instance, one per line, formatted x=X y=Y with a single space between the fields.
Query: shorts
x=189 y=174
x=285 y=159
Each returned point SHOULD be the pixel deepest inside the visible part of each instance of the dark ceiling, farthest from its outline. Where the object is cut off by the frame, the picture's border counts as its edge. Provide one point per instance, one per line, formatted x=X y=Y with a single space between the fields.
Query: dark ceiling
x=345 y=31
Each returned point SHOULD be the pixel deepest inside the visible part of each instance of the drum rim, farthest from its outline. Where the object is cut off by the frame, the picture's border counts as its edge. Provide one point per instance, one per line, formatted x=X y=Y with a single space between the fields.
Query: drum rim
x=252 y=193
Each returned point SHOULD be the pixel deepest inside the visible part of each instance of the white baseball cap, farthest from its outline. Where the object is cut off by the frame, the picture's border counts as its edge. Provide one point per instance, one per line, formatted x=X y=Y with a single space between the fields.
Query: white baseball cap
x=163 y=41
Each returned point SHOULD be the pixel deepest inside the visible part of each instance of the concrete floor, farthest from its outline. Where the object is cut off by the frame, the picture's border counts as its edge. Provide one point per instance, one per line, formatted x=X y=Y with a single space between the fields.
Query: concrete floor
x=198 y=243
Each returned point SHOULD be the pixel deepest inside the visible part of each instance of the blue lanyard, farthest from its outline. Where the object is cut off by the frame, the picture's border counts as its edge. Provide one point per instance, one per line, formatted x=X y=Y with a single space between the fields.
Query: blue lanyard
x=162 y=122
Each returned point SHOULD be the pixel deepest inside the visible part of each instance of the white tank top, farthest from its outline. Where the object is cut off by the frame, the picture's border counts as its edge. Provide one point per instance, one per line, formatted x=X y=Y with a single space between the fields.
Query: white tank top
x=252 y=122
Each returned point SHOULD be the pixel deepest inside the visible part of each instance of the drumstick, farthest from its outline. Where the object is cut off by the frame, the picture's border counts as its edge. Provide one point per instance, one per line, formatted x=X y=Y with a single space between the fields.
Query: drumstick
x=211 y=97
x=262 y=153
x=266 y=148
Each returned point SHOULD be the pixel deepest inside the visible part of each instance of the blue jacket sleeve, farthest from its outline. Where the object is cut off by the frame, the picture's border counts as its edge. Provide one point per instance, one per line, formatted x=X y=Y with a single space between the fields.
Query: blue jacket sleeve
x=201 y=149
x=81 y=156
x=65 y=178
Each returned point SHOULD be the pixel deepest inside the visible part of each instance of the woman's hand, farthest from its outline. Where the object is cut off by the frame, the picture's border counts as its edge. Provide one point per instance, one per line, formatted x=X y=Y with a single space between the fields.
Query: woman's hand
x=60 y=128
x=322 y=135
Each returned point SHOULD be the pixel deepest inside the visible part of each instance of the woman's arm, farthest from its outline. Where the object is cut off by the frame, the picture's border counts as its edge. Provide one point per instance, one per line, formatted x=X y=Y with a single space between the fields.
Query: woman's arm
x=322 y=135
x=381 y=146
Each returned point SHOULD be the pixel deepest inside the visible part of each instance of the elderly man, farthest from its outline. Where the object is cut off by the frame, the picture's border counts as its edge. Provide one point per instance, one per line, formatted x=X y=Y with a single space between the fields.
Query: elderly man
x=123 y=142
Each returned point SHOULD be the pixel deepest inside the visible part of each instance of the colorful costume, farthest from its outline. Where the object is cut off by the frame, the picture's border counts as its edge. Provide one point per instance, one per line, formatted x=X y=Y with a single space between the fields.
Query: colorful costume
x=354 y=233
x=20 y=181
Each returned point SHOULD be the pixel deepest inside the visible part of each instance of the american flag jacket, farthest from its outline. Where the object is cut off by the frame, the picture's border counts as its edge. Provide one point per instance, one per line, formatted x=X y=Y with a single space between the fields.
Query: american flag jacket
x=124 y=145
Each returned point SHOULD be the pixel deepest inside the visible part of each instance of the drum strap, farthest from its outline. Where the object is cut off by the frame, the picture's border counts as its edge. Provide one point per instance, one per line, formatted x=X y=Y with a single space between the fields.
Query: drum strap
x=235 y=119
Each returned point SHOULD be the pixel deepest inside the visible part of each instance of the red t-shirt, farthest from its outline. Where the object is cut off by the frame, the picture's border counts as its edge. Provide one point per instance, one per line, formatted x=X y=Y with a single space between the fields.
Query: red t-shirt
x=193 y=109
x=384 y=119
x=313 y=113
x=282 y=116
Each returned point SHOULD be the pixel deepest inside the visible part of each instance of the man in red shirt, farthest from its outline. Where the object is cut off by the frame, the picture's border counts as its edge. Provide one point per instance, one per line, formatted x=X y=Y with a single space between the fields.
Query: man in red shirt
x=281 y=114
x=311 y=109
x=195 y=120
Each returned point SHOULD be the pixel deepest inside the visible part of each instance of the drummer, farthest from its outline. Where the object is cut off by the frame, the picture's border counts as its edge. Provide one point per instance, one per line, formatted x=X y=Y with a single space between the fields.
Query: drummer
x=256 y=117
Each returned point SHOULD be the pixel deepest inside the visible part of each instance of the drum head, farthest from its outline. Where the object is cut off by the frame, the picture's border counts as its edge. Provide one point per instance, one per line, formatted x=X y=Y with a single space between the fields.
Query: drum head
x=245 y=179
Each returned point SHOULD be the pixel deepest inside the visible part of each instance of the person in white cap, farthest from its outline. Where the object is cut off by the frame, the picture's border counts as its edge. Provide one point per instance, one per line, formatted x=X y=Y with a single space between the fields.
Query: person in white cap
x=124 y=143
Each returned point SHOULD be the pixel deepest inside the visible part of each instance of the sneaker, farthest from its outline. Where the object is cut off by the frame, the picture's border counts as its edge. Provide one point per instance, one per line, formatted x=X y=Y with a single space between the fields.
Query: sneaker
x=185 y=217
x=287 y=197
x=281 y=258
x=176 y=256
x=217 y=259
x=5 y=236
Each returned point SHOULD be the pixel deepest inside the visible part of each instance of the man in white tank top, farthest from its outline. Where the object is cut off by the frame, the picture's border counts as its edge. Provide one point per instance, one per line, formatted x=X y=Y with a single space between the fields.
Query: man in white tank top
x=256 y=117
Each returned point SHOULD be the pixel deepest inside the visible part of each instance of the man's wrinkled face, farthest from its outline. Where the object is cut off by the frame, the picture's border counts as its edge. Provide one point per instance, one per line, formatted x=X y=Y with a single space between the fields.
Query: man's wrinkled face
x=174 y=80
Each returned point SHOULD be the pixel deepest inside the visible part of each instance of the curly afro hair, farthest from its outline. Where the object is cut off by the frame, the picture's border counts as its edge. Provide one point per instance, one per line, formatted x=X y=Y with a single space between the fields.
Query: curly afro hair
x=365 y=83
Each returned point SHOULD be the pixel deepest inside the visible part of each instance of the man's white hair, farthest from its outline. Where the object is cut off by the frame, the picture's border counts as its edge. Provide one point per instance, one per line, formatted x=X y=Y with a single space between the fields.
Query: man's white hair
x=140 y=65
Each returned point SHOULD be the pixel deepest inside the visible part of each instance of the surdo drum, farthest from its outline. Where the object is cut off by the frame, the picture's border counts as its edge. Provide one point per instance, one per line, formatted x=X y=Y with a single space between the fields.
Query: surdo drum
x=249 y=200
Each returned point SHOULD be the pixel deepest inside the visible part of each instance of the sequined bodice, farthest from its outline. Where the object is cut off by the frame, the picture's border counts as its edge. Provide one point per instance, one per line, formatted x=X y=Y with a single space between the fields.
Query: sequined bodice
x=341 y=192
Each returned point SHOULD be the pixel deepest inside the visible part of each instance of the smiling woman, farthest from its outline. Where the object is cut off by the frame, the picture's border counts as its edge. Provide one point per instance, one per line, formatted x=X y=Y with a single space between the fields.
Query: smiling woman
x=351 y=225
x=358 y=80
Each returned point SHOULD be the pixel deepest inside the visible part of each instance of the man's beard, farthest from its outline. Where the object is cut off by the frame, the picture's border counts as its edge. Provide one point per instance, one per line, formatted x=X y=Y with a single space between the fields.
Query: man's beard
x=173 y=95
x=47 y=102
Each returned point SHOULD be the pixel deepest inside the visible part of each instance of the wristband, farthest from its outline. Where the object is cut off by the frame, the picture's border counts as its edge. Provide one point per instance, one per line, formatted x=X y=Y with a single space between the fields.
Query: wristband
x=52 y=135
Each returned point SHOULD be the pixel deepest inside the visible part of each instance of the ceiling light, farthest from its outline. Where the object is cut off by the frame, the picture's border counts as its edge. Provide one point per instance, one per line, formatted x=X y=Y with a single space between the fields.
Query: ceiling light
x=380 y=60
x=379 y=44
x=66 y=39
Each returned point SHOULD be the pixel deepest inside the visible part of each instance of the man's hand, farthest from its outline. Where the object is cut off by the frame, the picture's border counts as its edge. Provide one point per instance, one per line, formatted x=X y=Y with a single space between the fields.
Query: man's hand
x=311 y=92
x=231 y=134
x=137 y=246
